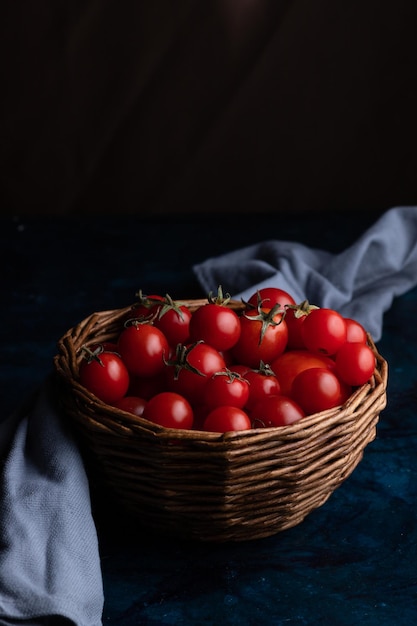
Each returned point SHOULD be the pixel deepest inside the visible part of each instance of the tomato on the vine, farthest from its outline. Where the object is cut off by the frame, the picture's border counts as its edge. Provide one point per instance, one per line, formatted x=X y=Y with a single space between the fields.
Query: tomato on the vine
x=216 y=323
x=174 y=321
x=143 y=348
x=226 y=387
x=262 y=383
x=170 y=316
x=355 y=363
x=263 y=337
x=295 y=317
x=324 y=331
x=227 y=418
x=268 y=297
x=146 y=308
x=104 y=374
x=190 y=369
x=170 y=410
x=276 y=410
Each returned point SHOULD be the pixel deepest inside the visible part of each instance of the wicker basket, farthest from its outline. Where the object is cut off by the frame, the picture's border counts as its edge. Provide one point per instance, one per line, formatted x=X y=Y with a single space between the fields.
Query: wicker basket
x=235 y=486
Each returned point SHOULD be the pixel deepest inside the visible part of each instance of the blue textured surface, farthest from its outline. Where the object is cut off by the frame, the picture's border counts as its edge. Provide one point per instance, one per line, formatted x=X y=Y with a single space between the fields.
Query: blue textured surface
x=352 y=561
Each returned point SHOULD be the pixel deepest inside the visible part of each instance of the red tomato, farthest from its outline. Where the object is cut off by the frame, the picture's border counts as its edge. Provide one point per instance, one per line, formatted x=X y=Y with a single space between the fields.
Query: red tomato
x=146 y=308
x=262 y=383
x=268 y=297
x=189 y=371
x=295 y=317
x=174 y=321
x=143 y=349
x=276 y=410
x=324 y=331
x=131 y=404
x=295 y=337
x=105 y=375
x=226 y=387
x=170 y=410
x=355 y=331
x=263 y=337
x=227 y=418
x=216 y=324
x=317 y=389
x=289 y=364
x=355 y=363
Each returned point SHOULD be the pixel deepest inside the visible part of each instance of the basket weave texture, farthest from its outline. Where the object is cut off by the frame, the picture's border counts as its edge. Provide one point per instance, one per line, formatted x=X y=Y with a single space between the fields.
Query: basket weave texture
x=214 y=487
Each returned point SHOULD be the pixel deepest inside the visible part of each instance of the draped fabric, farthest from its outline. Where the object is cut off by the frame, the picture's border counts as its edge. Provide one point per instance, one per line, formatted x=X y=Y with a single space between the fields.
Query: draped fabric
x=360 y=282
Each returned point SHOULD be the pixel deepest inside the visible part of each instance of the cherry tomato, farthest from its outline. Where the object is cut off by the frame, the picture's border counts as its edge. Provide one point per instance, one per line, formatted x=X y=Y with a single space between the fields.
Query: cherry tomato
x=174 y=321
x=146 y=308
x=317 y=389
x=295 y=317
x=295 y=337
x=263 y=337
x=216 y=324
x=143 y=349
x=276 y=410
x=131 y=404
x=290 y=363
x=170 y=410
x=227 y=418
x=105 y=375
x=355 y=363
x=268 y=297
x=324 y=331
x=226 y=387
x=191 y=368
x=355 y=331
x=262 y=383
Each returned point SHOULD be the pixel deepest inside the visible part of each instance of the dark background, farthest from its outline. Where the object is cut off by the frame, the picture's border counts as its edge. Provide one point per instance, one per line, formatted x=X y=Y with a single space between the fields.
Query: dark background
x=162 y=107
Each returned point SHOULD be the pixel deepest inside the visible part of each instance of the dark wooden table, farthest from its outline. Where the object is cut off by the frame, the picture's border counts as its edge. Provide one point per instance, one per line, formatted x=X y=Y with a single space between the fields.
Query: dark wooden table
x=352 y=561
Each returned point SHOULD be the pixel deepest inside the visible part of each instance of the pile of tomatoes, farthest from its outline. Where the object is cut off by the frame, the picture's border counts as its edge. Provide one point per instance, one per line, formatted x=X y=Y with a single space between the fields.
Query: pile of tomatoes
x=267 y=363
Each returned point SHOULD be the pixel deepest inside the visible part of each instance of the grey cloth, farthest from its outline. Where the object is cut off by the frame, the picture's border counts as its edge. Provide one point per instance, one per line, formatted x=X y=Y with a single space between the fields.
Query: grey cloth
x=49 y=560
x=360 y=282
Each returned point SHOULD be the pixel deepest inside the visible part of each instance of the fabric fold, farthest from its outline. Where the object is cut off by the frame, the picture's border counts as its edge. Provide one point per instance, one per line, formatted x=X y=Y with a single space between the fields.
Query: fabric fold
x=49 y=558
x=360 y=282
